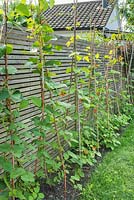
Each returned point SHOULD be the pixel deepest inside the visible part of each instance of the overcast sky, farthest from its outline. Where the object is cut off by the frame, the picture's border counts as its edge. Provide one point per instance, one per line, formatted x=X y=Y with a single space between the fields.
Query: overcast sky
x=69 y=1
x=59 y=1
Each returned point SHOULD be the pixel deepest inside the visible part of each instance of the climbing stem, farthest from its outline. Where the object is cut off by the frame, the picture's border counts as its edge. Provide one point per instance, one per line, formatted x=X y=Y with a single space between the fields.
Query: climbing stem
x=8 y=100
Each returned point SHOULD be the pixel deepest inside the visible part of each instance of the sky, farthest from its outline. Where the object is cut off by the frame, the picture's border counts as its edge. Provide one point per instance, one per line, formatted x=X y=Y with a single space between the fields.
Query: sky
x=60 y=1
x=68 y=1
x=57 y=1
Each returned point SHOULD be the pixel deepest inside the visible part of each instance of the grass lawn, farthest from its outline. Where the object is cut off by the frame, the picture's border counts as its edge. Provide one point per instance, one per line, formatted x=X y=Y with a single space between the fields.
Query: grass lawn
x=114 y=177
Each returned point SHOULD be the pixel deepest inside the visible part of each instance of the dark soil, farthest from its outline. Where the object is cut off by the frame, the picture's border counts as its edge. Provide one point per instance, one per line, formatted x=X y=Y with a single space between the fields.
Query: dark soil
x=57 y=192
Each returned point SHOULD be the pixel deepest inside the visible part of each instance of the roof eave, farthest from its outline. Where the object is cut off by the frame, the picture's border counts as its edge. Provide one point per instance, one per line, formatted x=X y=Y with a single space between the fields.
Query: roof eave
x=80 y=29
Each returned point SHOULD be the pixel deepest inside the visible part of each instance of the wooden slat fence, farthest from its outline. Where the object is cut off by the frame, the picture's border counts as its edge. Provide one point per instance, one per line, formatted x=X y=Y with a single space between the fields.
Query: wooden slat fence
x=29 y=83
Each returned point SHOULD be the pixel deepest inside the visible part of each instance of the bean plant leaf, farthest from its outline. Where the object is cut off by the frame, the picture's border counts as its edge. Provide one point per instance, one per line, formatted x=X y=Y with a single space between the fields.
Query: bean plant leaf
x=36 y=101
x=34 y=195
x=59 y=85
x=86 y=70
x=1 y=107
x=4 y=195
x=37 y=189
x=17 y=173
x=30 y=198
x=71 y=154
x=4 y=94
x=43 y=5
x=24 y=104
x=52 y=3
x=47 y=38
x=41 y=195
x=68 y=70
x=66 y=156
x=64 y=105
x=17 y=193
x=28 y=177
x=47 y=28
x=4 y=148
x=51 y=74
x=75 y=178
x=53 y=63
x=2 y=50
x=9 y=48
x=114 y=72
x=12 y=70
x=16 y=96
x=22 y=9
x=47 y=47
x=2 y=70
x=18 y=150
x=97 y=56
x=6 y=165
x=58 y=48
x=1 y=12
x=36 y=44
x=33 y=60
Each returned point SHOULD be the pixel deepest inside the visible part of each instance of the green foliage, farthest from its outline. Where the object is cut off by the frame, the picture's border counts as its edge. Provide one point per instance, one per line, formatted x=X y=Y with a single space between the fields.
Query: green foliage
x=36 y=101
x=114 y=178
x=9 y=48
x=4 y=94
x=22 y=9
x=24 y=104
x=92 y=111
x=6 y=165
x=126 y=11
x=2 y=51
x=12 y=70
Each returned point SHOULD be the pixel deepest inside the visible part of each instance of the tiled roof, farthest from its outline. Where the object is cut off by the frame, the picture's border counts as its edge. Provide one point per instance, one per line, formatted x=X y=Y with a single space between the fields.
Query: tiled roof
x=89 y=14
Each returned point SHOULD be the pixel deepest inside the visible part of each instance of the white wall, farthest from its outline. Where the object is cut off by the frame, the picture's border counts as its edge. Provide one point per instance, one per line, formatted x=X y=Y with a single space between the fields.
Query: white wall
x=114 y=21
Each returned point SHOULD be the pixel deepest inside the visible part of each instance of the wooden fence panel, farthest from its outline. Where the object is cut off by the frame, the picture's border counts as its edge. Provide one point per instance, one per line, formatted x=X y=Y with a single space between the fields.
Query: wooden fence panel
x=29 y=83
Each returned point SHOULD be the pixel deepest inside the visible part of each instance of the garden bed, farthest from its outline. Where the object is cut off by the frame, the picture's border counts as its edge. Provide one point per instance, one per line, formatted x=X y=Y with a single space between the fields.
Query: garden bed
x=57 y=192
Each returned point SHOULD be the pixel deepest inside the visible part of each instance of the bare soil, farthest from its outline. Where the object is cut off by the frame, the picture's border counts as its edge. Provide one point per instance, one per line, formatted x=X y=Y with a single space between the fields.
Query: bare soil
x=57 y=192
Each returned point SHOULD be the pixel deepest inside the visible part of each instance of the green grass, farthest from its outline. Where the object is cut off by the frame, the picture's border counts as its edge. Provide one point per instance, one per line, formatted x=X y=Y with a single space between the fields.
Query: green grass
x=114 y=177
